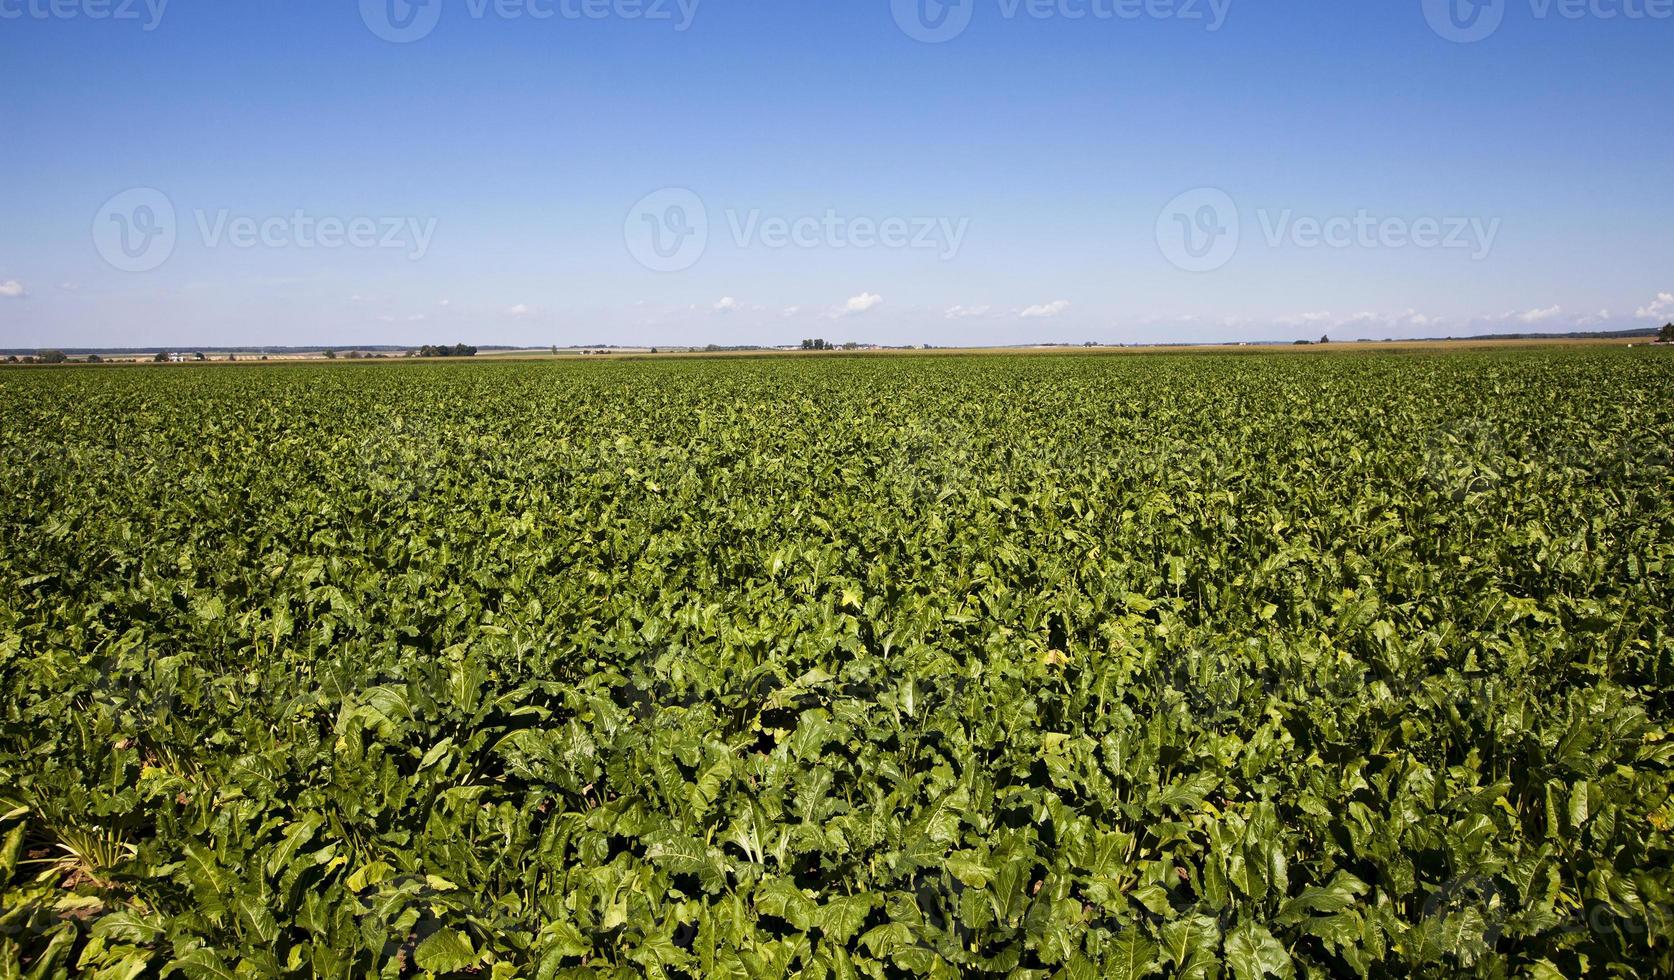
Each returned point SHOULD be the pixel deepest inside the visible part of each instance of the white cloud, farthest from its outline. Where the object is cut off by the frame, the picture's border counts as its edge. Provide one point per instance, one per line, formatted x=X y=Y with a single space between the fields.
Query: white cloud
x=1537 y=316
x=790 y=311
x=1045 y=310
x=965 y=312
x=520 y=310
x=11 y=289
x=444 y=304
x=857 y=305
x=1662 y=307
x=726 y=304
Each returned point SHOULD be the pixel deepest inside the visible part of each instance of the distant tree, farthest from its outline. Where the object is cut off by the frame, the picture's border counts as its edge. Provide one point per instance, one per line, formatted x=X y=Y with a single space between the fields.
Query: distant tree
x=53 y=357
x=198 y=356
x=654 y=350
x=331 y=355
x=11 y=358
x=95 y=359
x=1303 y=343
x=1325 y=340
x=162 y=357
x=232 y=357
x=1666 y=334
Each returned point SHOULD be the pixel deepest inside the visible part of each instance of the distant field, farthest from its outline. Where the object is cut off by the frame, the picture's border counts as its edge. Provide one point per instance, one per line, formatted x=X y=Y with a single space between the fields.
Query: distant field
x=1185 y=665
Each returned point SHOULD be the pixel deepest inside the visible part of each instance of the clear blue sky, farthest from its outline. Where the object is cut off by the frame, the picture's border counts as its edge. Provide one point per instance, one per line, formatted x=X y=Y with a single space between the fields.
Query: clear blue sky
x=504 y=159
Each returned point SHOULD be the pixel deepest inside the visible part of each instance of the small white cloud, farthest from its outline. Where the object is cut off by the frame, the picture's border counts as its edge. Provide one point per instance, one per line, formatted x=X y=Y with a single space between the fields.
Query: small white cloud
x=965 y=312
x=790 y=311
x=520 y=310
x=1537 y=316
x=444 y=304
x=1660 y=308
x=857 y=305
x=69 y=287
x=726 y=304
x=11 y=289
x=1045 y=310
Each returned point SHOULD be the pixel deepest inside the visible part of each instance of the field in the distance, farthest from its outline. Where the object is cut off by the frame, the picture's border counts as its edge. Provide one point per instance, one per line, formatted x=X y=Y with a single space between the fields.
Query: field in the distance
x=1184 y=665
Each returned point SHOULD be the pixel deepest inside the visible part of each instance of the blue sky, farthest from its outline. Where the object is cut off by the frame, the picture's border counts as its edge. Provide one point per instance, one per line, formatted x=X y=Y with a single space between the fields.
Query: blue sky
x=647 y=172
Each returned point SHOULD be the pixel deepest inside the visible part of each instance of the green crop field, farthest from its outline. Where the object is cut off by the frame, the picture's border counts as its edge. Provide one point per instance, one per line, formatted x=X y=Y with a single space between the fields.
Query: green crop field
x=1291 y=665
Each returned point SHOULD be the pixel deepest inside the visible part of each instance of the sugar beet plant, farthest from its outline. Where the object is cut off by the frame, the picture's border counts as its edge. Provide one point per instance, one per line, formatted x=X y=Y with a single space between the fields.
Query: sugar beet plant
x=1297 y=665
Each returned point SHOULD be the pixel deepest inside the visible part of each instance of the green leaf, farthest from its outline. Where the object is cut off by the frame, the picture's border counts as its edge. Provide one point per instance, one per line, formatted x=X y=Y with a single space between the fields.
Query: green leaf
x=780 y=897
x=445 y=951
x=840 y=918
x=1132 y=956
x=1253 y=953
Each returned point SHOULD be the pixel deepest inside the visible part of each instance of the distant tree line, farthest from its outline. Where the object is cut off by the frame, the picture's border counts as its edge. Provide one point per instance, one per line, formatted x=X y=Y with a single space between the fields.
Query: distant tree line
x=457 y=350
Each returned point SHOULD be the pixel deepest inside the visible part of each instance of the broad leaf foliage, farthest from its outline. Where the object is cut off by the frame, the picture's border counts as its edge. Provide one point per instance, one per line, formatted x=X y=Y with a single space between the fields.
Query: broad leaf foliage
x=1048 y=666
